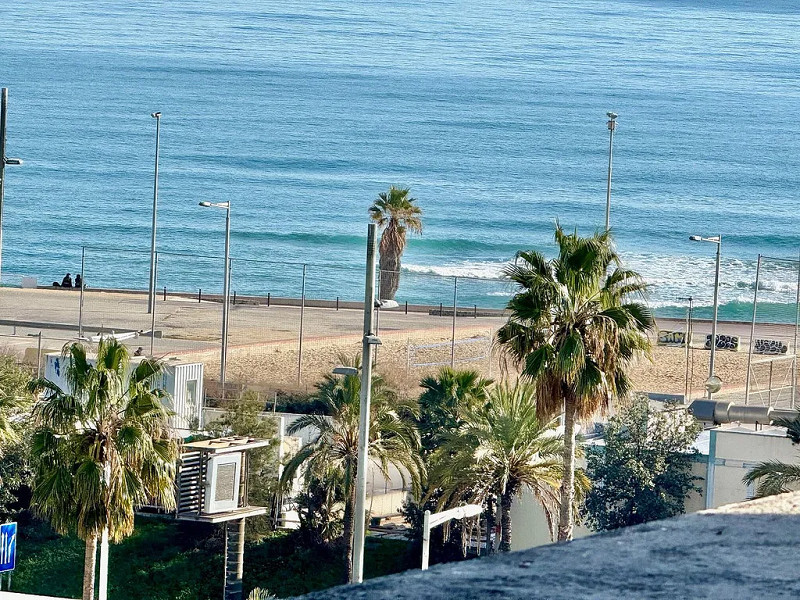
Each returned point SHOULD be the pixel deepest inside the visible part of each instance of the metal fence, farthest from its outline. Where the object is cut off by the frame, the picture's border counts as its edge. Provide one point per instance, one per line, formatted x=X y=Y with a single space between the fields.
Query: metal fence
x=289 y=323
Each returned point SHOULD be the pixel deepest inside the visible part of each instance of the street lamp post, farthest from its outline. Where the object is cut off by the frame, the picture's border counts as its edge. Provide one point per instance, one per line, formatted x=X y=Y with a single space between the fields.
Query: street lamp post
x=368 y=342
x=151 y=292
x=718 y=241
x=225 y=289
x=4 y=160
x=612 y=125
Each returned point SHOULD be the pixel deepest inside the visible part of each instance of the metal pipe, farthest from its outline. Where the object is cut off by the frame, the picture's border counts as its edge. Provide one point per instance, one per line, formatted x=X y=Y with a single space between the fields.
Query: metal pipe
x=366 y=396
x=691 y=352
x=39 y=356
x=302 y=316
x=225 y=293
x=102 y=587
x=752 y=335
x=686 y=340
x=716 y=311
x=453 y=339
x=612 y=125
x=151 y=291
x=426 y=539
x=377 y=330
x=153 y=317
x=794 y=343
x=83 y=285
x=3 y=120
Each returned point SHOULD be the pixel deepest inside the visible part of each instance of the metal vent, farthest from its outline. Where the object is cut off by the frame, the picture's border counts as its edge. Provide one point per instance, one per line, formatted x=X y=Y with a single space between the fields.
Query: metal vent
x=191 y=477
x=225 y=490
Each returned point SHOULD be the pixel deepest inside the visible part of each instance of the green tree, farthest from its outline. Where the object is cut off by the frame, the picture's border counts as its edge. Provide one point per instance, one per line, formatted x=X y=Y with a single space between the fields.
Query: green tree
x=14 y=398
x=103 y=447
x=393 y=440
x=444 y=398
x=644 y=470
x=243 y=417
x=504 y=447
x=773 y=476
x=15 y=402
x=396 y=213
x=574 y=330
x=319 y=507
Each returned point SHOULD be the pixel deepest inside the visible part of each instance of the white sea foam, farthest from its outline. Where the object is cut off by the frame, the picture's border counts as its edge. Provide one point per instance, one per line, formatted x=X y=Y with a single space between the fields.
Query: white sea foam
x=670 y=278
x=478 y=270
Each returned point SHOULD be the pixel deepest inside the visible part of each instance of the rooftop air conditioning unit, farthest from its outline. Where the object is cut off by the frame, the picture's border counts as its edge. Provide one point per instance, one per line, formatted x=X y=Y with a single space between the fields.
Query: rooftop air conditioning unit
x=222 y=482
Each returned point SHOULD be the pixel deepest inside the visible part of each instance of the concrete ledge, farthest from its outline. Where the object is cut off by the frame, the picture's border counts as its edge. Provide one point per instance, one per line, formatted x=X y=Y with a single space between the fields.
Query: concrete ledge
x=741 y=551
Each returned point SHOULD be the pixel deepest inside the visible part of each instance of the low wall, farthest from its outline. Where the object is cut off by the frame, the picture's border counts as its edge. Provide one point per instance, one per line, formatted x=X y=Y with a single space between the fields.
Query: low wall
x=746 y=550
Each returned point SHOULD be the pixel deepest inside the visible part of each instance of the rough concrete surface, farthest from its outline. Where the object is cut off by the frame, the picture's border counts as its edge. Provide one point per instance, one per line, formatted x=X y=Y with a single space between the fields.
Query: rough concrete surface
x=742 y=551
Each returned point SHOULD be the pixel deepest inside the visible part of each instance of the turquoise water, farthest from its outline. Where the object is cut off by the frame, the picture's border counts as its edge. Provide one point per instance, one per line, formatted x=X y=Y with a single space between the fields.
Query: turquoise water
x=493 y=113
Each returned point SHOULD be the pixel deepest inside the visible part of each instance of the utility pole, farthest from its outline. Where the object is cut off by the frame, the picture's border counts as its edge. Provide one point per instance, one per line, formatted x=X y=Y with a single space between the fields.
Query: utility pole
x=151 y=290
x=4 y=160
x=369 y=340
x=612 y=125
x=3 y=116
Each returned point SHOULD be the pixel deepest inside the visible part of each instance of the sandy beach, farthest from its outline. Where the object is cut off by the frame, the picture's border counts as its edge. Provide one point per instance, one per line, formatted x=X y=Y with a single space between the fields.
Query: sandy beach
x=265 y=341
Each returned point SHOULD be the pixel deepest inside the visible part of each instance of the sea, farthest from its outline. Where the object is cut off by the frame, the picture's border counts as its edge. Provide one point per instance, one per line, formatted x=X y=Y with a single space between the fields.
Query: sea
x=493 y=113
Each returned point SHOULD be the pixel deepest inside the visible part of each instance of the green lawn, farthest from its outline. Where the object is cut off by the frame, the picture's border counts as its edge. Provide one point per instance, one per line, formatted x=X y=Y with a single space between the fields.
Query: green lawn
x=166 y=560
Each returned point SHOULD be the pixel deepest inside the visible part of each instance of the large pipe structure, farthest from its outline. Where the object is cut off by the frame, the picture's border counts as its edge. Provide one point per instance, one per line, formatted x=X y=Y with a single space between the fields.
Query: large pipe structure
x=720 y=413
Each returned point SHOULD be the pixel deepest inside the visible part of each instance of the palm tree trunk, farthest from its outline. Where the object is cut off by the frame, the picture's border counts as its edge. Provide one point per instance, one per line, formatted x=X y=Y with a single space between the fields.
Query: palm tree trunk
x=89 y=562
x=348 y=526
x=489 y=524
x=568 y=482
x=505 y=519
x=390 y=275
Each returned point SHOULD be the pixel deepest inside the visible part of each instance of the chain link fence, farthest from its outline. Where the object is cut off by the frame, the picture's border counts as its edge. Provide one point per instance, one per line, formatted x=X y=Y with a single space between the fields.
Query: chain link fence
x=288 y=325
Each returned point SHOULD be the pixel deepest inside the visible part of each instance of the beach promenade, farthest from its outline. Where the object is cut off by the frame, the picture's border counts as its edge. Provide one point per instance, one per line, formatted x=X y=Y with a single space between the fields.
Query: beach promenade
x=265 y=347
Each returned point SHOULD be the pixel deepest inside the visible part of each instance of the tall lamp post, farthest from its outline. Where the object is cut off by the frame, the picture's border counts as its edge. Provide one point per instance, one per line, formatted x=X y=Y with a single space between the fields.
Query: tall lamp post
x=717 y=239
x=225 y=288
x=368 y=342
x=612 y=125
x=151 y=293
x=4 y=160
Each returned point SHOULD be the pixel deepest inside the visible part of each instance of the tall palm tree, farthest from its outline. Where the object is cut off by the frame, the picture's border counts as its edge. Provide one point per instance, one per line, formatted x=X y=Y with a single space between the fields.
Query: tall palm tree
x=575 y=327
x=445 y=397
x=393 y=440
x=504 y=447
x=773 y=476
x=396 y=213
x=103 y=447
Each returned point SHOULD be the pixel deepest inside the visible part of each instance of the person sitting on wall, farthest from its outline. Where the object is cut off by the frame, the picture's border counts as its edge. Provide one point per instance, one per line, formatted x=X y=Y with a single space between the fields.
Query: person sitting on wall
x=78 y=281
x=66 y=282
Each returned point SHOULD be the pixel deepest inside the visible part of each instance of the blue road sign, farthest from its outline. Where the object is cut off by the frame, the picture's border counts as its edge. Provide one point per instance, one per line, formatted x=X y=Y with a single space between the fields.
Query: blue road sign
x=8 y=547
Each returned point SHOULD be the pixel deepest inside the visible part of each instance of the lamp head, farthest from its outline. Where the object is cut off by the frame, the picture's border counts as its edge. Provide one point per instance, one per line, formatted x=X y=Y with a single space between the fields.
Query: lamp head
x=206 y=204
x=695 y=238
x=612 y=115
x=348 y=371
x=12 y=161
x=373 y=340
x=156 y=115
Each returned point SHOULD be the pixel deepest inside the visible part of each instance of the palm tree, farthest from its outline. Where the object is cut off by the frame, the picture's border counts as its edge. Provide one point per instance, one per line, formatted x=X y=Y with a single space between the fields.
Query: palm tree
x=773 y=476
x=393 y=440
x=503 y=448
x=103 y=447
x=395 y=212
x=14 y=398
x=444 y=398
x=574 y=329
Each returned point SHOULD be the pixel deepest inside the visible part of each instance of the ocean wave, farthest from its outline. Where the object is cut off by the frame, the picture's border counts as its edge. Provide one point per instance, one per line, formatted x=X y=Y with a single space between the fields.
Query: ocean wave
x=476 y=270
